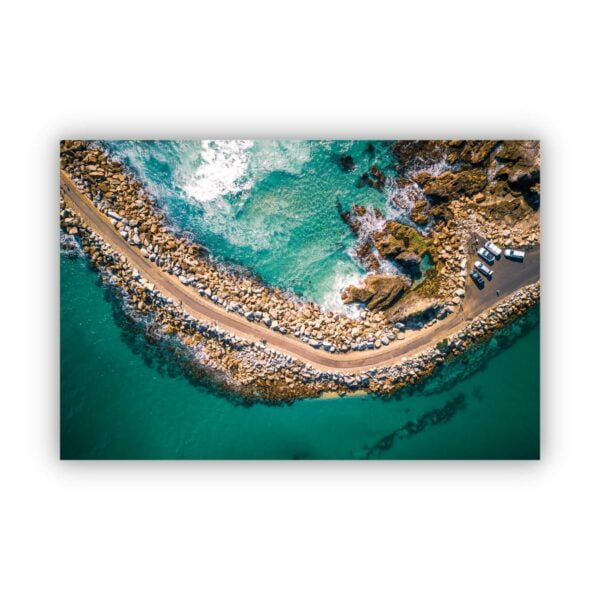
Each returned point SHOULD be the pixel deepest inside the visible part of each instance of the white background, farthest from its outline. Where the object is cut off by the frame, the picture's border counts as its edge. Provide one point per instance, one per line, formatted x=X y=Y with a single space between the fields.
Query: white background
x=303 y=69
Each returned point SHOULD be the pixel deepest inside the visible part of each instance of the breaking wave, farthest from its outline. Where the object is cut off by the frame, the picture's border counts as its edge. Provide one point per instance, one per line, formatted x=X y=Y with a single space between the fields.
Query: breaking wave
x=332 y=299
x=69 y=246
x=266 y=205
x=225 y=168
x=222 y=169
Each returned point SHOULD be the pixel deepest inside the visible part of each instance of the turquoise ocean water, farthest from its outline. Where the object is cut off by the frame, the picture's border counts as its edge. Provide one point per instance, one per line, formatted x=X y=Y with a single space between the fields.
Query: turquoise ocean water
x=271 y=207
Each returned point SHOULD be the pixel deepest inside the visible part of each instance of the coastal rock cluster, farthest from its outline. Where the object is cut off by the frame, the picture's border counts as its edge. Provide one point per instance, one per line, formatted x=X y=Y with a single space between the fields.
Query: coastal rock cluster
x=133 y=212
x=252 y=369
x=394 y=302
x=453 y=191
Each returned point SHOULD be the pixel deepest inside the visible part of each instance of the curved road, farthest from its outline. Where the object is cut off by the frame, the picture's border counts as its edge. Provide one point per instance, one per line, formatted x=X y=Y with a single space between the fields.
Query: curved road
x=508 y=277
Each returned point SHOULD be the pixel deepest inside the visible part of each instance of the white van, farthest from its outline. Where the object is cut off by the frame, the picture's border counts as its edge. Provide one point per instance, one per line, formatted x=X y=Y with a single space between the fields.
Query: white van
x=483 y=269
x=514 y=254
x=493 y=249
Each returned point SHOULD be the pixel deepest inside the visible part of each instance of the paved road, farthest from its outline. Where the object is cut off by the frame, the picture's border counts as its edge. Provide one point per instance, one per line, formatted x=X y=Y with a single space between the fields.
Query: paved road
x=508 y=277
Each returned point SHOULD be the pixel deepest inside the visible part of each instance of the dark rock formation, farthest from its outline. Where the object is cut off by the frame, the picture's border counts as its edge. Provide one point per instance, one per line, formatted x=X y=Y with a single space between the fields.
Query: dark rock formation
x=420 y=212
x=375 y=178
x=347 y=163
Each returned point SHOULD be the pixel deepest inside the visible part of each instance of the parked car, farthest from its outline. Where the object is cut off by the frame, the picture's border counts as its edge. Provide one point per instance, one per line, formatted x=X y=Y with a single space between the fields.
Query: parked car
x=483 y=269
x=477 y=278
x=486 y=255
x=491 y=247
x=514 y=254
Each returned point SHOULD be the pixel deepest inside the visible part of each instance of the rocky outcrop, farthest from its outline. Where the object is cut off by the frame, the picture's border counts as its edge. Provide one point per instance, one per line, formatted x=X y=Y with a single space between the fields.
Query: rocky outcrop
x=347 y=163
x=521 y=169
x=451 y=185
x=396 y=239
x=474 y=151
x=374 y=178
x=454 y=189
x=379 y=292
x=419 y=213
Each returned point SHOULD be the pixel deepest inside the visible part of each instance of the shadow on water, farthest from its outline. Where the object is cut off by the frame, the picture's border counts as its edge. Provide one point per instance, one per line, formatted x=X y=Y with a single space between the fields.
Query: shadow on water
x=446 y=375
x=436 y=416
x=165 y=355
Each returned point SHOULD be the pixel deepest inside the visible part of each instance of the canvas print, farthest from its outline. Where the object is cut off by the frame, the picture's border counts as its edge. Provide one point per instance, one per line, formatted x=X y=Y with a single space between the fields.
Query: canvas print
x=299 y=299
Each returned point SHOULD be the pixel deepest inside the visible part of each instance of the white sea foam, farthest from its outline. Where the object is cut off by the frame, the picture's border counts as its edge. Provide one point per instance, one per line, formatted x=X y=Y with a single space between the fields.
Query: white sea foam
x=288 y=156
x=370 y=222
x=332 y=300
x=434 y=168
x=221 y=169
x=400 y=200
x=69 y=246
x=218 y=176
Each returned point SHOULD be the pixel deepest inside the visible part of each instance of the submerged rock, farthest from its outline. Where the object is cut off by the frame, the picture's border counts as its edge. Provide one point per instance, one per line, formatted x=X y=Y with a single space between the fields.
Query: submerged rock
x=347 y=163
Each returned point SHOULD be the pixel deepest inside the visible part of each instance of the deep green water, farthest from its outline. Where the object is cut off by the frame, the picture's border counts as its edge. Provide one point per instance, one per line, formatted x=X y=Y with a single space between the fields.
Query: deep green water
x=273 y=207
x=119 y=399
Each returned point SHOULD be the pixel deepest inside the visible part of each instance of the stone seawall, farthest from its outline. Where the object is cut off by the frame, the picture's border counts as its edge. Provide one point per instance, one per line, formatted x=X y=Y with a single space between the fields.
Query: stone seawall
x=250 y=368
x=133 y=212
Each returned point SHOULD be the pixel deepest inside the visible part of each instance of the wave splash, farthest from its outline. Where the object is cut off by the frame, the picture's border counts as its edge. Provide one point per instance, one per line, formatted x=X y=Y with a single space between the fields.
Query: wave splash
x=230 y=167
x=222 y=170
x=332 y=299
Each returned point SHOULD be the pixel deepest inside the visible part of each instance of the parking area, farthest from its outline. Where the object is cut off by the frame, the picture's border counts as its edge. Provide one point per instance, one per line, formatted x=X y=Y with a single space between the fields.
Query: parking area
x=508 y=275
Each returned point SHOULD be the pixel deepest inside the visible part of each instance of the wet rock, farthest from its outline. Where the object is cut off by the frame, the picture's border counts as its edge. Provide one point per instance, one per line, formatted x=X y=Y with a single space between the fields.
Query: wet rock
x=375 y=178
x=396 y=238
x=347 y=162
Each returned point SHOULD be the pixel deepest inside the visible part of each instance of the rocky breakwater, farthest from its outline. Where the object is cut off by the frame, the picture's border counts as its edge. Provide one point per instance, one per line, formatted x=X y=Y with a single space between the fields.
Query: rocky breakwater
x=135 y=214
x=251 y=369
x=203 y=349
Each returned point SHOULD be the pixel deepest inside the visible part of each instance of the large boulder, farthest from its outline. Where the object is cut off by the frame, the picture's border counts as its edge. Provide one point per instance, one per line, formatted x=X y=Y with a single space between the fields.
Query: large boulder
x=521 y=169
x=396 y=238
x=379 y=292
